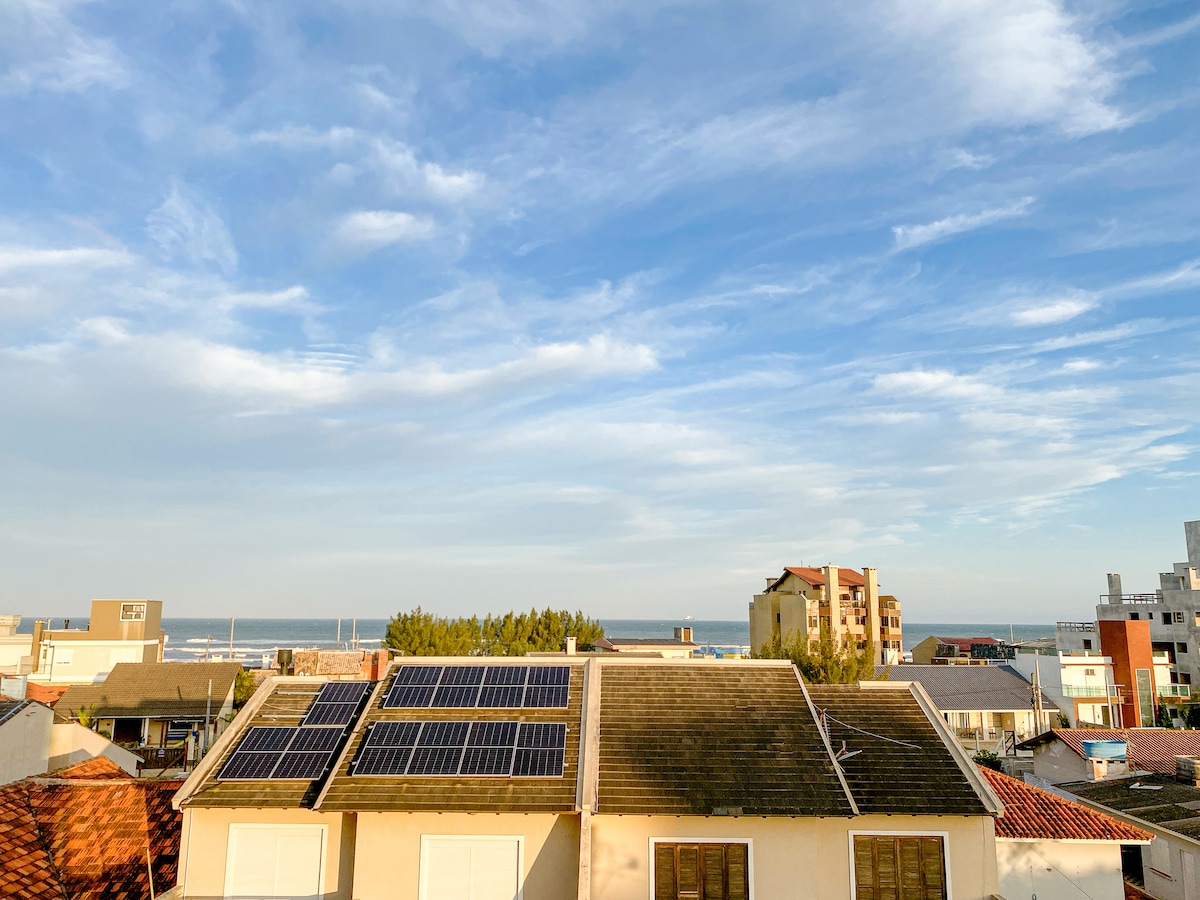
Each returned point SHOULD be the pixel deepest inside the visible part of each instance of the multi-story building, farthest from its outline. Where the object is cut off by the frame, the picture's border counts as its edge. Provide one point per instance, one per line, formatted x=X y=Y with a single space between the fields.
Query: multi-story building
x=805 y=602
x=118 y=631
x=1173 y=613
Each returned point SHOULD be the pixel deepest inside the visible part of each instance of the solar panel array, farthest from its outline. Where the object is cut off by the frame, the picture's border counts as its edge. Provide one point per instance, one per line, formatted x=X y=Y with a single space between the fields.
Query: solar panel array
x=485 y=749
x=304 y=751
x=479 y=687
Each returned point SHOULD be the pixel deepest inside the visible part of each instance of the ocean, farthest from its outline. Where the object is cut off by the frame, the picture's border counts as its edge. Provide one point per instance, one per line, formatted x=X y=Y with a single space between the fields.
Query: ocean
x=254 y=639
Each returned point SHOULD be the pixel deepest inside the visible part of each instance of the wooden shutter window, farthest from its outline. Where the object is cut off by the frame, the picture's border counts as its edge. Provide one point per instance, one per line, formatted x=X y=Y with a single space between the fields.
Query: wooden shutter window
x=899 y=868
x=701 y=872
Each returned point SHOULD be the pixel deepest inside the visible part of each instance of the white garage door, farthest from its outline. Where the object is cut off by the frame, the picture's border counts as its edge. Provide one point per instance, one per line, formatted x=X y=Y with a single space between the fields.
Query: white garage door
x=275 y=861
x=470 y=868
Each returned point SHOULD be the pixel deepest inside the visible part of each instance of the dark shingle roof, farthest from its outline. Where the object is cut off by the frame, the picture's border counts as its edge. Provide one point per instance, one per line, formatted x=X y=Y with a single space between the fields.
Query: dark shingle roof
x=1168 y=804
x=902 y=766
x=150 y=690
x=968 y=687
x=696 y=737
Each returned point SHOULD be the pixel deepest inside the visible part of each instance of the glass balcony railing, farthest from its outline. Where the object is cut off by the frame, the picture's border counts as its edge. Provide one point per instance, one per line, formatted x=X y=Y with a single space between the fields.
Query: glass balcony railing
x=1090 y=690
x=1175 y=690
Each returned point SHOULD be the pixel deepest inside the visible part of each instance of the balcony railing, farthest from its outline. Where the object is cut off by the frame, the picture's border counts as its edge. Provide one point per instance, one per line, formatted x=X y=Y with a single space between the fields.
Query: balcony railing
x=1156 y=597
x=1091 y=690
x=1075 y=626
x=1175 y=690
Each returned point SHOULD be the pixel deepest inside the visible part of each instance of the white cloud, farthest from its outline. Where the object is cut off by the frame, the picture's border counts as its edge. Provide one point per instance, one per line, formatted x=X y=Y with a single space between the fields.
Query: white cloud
x=185 y=226
x=373 y=229
x=909 y=236
x=404 y=174
x=933 y=382
x=45 y=50
x=303 y=137
x=17 y=257
x=1051 y=312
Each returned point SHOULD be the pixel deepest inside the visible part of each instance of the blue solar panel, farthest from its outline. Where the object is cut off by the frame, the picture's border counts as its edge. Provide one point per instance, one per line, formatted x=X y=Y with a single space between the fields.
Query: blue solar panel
x=444 y=734
x=393 y=734
x=462 y=675
x=546 y=696
x=343 y=691
x=301 y=765
x=506 y=674
x=486 y=761
x=267 y=738
x=435 y=761
x=456 y=696
x=250 y=765
x=532 y=762
x=419 y=675
x=500 y=696
x=330 y=714
x=492 y=734
x=550 y=675
x=315 y=739
x=383 y=761
x=409 y=696
x=543 y=734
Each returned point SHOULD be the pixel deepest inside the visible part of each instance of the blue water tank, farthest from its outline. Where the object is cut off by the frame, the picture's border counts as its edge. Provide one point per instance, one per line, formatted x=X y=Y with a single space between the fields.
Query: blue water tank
x=1104 y=749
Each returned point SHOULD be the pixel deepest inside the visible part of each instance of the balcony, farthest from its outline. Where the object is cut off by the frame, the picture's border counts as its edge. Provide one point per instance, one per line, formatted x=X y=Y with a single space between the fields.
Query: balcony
x=1182 y=691
x=1075 y=626
x=1092 y=690
x=1118 y=599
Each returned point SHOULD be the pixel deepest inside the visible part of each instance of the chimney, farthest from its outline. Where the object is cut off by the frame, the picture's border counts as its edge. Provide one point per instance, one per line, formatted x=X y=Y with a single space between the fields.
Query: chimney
x=874 y=617
x=683 y=633
x=1114 y=586
x=1191 y=533
x=833 y=593
x=572 y=643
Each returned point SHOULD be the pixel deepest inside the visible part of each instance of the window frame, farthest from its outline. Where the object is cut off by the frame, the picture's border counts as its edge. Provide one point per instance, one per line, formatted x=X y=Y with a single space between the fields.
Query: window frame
x=428 y=839
x=230 y=846
x=139 y=610
x=710 y=839
x=878 y=833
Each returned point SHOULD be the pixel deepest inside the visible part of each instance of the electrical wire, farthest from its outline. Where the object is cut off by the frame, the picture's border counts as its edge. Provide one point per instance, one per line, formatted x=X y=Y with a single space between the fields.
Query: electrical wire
x=825 y=715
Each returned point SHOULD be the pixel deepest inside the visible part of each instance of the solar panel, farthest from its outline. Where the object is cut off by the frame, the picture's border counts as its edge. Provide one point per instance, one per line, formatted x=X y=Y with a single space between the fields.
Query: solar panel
x=330 y=714
x=456 y=696
x=315 y=739
x=492 y=734
x=383 y=761
x=301 y=765
x=393 y=734
x=444 y=734
x=408 y=696
x=486 y=761
x=419 y=674
x=530 y=762
x=462 y=675
x=550 y=675
x=543 y=734
x=266 y=737
x=435 y=761
x=251 y=765
x=500 y=696
x=506 y=674
x=545 y=696
x=343 y=691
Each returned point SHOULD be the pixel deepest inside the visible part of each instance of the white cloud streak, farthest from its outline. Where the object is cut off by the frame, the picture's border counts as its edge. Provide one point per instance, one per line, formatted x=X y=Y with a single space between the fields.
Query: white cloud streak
x=184 y=226
x=374 y=229
x=909 y=236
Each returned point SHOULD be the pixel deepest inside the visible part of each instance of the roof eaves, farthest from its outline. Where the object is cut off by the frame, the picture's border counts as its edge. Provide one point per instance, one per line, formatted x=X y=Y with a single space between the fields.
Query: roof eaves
x=837 y=767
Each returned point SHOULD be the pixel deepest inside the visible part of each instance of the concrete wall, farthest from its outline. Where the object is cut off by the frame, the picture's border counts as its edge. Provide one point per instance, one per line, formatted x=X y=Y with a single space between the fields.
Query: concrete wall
x=789 y=858
x=16 y=654
x=25 y=742
x=1170 y=866
x=1058 y=763
x=388 y=851
x=83 y=661
x=71 y=743
x=1059 y=870
x=205 y=841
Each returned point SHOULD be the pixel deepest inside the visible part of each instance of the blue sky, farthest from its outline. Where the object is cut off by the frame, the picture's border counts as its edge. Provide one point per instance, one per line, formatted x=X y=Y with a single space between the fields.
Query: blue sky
x=337 y=308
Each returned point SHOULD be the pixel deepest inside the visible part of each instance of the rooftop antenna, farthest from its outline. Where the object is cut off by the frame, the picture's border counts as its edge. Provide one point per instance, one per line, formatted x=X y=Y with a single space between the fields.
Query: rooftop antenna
x=846 y=754
x=231 y=621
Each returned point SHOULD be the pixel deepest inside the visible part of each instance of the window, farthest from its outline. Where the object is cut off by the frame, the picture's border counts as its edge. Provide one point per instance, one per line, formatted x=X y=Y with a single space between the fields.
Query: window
x=1145 y=698
x=1177 y=618
x=133 y=612
x=478 y=867
x=904 y=867
x=64 y=656
x=696 y=871
x=1181 y=646
x=1160 y=857
x=1087 y=643
x=1133 y=617
x=1150 y=616
x=275 y=861
x=1087 y=672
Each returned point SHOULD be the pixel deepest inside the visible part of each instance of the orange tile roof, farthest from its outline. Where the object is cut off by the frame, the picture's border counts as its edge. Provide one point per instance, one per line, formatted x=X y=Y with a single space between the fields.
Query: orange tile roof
x=1033 y=814
x=1147 y=749
x=99 y=767
x=44 y=693
x=816 y=577
x=82 y=833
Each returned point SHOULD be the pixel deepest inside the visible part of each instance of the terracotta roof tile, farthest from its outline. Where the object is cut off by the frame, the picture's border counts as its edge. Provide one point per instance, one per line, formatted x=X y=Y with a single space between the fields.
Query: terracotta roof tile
x=87 y=839
x=1150 y=749
x=816 y=577
x=44 y=693
x=98 y=768
x=1033 y=814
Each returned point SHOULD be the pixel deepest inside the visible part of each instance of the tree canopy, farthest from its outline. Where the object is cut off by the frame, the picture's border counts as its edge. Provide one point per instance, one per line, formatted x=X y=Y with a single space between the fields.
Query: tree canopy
x=419 y=633
x=825 y=661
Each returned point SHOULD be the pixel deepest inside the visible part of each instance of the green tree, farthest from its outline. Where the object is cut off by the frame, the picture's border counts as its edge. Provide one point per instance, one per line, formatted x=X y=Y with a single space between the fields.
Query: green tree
x=418 y=633
x=1164 y=716
x=87 y=716
x=988 y=760
x=825 y=661
x=244 y=686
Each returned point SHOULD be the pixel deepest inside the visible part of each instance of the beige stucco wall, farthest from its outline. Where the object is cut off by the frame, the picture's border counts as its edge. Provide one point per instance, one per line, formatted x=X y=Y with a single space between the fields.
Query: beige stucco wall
x=25 y=742
x=1059 y=870
x=789 y=858
x=388 y=851
x=71 y=743
x=1058 y=763
x=205 y=841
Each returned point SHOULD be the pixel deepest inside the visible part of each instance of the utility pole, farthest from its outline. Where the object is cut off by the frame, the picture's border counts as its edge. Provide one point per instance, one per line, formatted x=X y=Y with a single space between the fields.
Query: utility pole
x=231 y=621
x=1037 y=694
x=339 y=634
x=207 y=715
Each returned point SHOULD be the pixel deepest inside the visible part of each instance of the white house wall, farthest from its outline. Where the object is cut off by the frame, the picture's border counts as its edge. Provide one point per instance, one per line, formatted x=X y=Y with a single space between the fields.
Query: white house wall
x=1059 y=870
x=25 y=742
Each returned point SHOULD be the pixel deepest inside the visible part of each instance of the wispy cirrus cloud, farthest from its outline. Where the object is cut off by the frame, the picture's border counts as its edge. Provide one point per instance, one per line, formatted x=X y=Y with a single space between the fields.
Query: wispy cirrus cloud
x=184 y=226
x=909 y=236
x=373 y=229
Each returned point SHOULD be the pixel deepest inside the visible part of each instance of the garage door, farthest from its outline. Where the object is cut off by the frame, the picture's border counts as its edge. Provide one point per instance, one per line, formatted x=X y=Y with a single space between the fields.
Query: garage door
x=470 y=868
x=275 y=861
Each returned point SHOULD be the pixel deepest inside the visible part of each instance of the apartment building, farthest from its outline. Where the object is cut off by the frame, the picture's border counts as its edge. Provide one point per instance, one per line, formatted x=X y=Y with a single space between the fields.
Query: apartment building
x=804 y=602
x=118 y=631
